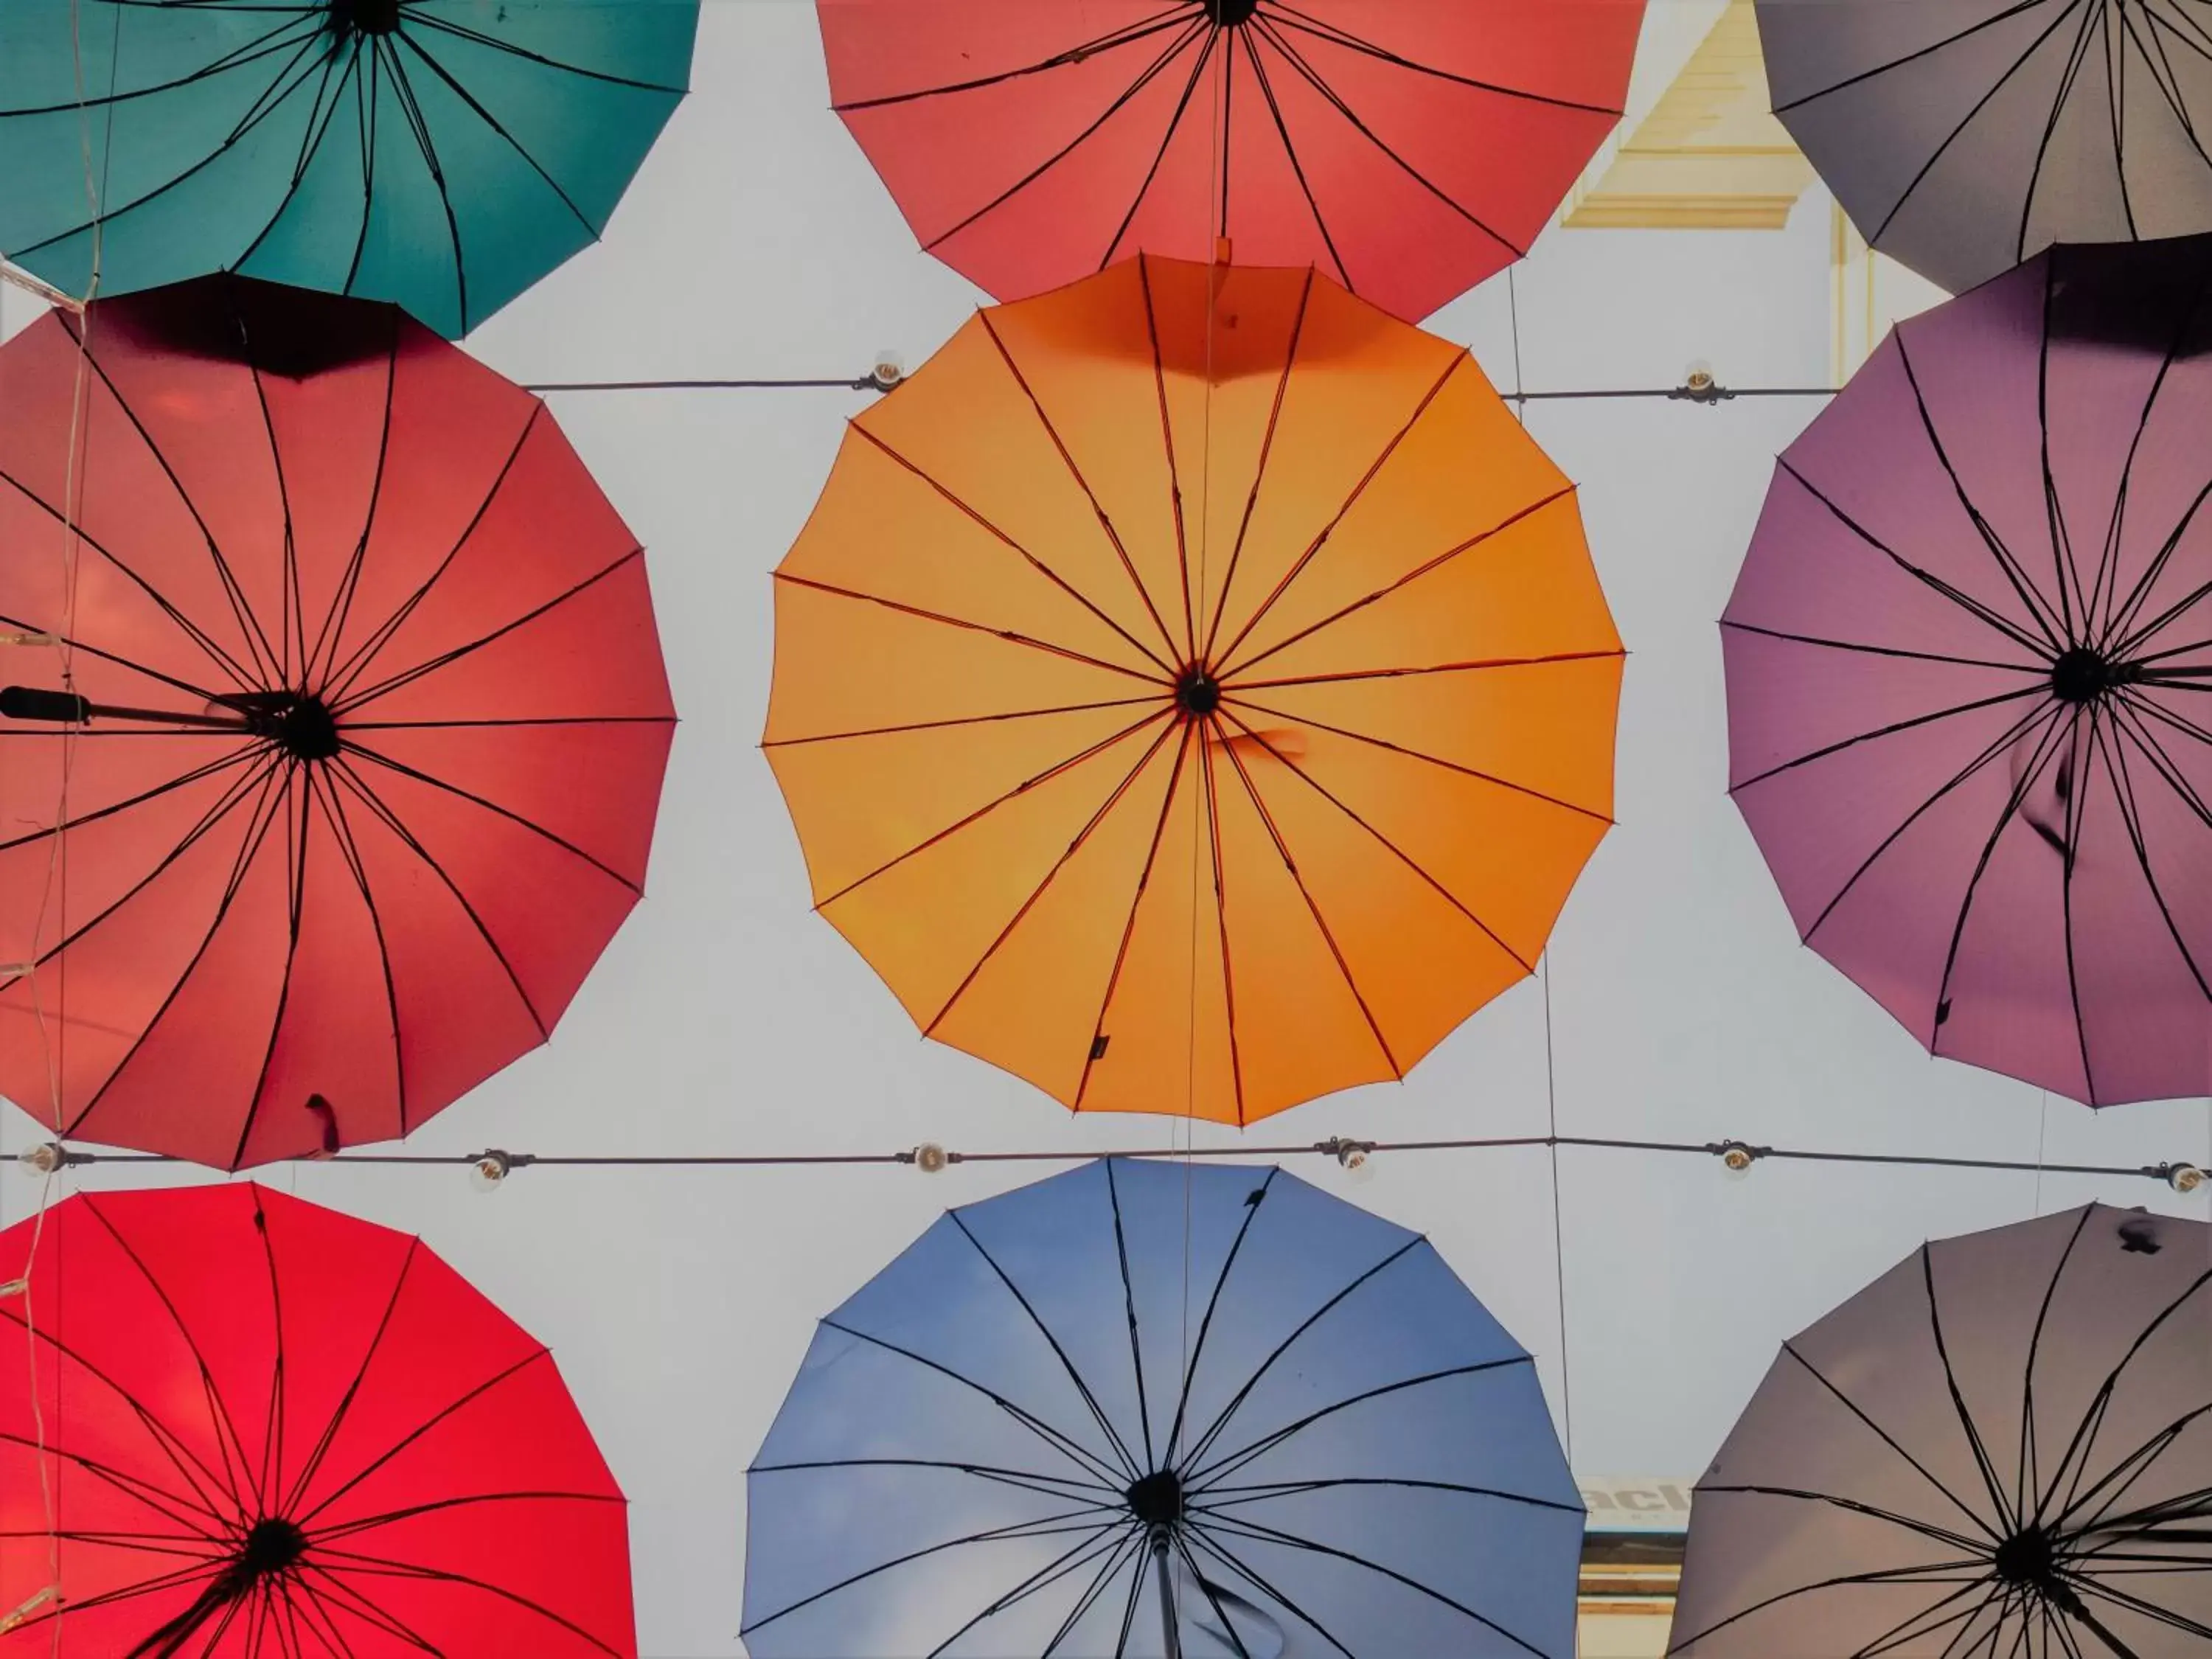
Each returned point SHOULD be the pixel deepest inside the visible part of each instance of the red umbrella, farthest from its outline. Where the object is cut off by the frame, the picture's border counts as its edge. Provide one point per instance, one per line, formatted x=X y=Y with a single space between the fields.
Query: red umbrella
x=343 y=770
x=271 y=1430
x=1407 y=147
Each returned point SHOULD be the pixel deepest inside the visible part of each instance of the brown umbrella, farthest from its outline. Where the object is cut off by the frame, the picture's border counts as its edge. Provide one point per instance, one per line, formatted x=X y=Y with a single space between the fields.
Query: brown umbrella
x=2003 y=1447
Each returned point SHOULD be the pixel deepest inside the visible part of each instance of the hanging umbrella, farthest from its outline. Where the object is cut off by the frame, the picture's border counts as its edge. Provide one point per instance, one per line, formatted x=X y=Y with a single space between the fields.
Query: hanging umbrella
x=440 y=154
x=343 y=768
x=1407 y=147
x=1967 y=658
x=2003 y=1446
x=1192 y=692
x=248 y=1426
x=1143 y=1407
x=1962 y=137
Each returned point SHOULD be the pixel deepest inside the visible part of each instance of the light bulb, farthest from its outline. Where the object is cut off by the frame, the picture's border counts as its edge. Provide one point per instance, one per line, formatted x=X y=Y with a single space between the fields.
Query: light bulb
x=2184 y=1178
x=929 y=1157
x=1736 y=1160
x=42 y=1159
x=491 y=1168
x=888 y=369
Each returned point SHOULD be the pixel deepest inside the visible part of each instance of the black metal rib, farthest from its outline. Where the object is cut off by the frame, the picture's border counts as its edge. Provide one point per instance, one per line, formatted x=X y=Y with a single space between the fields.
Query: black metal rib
x=2028 y=1485
x=1205 y=1320
x=835 y=737
x=428 y=20
x=333 y=1563
x=295 y=875
x=1127 y=34
x=1260 y=469
x=312 y=1465
x=1212 y=1596
x=1174 y=127
x=1887 y=1439
x=1923 y=1528
x=1970 y=1575
x=341 y=827
x=2006 y=1519
x=1107 y=1542
x=1129 y=1308
x=1286 y=15
x=2040 y=669
x=1297 y=168
x=1204 y=1539
x=1045 y=1486
x=1168 y=448
x=1209 y=799
x=1132 y=1542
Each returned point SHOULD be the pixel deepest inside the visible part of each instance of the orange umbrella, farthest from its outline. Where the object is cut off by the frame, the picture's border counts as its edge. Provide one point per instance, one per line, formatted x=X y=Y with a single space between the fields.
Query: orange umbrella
x=1192 y=692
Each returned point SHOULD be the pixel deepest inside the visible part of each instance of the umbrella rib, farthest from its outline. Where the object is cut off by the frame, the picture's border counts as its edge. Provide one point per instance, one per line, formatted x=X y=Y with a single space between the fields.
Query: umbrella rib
x=418 y=124
x=1919 y=1575
x=1168 y=448
x=342 y=675
x=446 y=26
x=248 y=51
x=184 y=1511
x=366 y=105
x=2169 y=84
x=1284 y=15
x=1027 y=558
x=2135 y=1605
x=273 y=1427
x=366 y=753
x=1313 y=905
x=1209 y=800
x=1167 y=138
x=1046 y=1486
x=370 y=1522
x=1212 y=1301
x=295 y=884
x=1305 y=189
x=1127 y=34
x=2131 y=817
x=1267 y=445
x=1174 y=50
x=1312 y=77
x=953 y=829
x=2062 y=565
x=2075 y=57
x=1083 y=1388
x=1205 y=1442
x=1214 y=1546
x=333 y=625
x=1981 y=103
x=1544 y=661
x=155 y=674
x=313 y=1462
x=320 y=120
x=1852 y=1405
x=341 y=827
x=1238 y=1496
x=491 y=121
x=1043 y=1527
x=1936 y=584
x=1297 y=568
x=2052 y=629
x=1482 y=537
x=1205 y=1479
x=2103 y=1398
x=1212 y=1596
x=1982 y=1461
x=391 y=821
x=243 y=752
x=2029 y=1483
x=1923 y=1528
x=832 y=737
x=1904 y=1631
x=1007 y=635
x=2038 y=668
x=1107 y=1543
x=1113 y=800
x=1404 y=856
x=1130 y=926
x=1129 y=1308
x=1111 y=1478
x=1897 y=727
x=1255 y=1532
x=373 y=1566
x=2124 y=620
x=1106 y=523
x=343 y=1596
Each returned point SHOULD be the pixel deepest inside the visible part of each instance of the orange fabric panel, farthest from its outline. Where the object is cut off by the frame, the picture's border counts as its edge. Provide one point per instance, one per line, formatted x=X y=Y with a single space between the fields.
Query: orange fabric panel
x=1193 y=692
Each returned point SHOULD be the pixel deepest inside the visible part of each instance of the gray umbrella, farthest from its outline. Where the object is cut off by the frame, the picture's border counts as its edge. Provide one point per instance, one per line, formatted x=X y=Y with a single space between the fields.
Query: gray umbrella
x=1964 y=135
x=2002 y=1448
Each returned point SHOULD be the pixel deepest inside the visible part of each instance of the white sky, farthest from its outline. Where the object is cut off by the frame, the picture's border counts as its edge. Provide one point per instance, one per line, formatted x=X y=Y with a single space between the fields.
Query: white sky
x=727 y=1019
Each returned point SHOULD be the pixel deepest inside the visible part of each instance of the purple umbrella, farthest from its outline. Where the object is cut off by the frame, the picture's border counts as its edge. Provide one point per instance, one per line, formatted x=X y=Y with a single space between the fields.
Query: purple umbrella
x=1968 y=661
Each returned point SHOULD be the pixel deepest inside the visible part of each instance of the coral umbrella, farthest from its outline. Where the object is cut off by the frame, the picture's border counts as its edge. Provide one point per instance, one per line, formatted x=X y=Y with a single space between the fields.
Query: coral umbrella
x=1964 y=136
x=1967 y=658
x=1192 y=692
x=343 y=770
x=440 y=154
x=2003 y=1445
x=1143 y=1407
x=250 y=1426
x=1407 y=148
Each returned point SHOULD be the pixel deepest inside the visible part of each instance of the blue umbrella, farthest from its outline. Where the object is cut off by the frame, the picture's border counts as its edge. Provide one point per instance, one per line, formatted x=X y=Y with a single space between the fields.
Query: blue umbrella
x=1143 y=1408
x=443 y=155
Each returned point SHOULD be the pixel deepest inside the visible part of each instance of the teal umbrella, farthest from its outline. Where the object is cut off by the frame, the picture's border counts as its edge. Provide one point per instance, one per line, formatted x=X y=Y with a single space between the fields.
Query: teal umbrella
x=443 y=155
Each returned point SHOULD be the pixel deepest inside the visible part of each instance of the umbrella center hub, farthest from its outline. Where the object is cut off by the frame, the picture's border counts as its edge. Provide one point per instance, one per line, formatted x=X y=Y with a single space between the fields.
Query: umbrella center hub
x=297 y=722
x=2028 y=1559
x=1197 y=693
x=1227 y=14
x=2082 y=675
x=364 y=16
x=272 y=1545
x=1157 y=1500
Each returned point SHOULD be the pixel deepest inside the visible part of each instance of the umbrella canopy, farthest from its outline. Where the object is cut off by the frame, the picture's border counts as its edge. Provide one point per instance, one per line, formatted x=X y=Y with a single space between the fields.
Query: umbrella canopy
x=272 y=1429
x=344 y=768
x=1963 y=137
x=2003 y=1445
x=1967 y=660
x=1193 y=692
x=1143 y=1407
x=440 y=154
x=1407 y=148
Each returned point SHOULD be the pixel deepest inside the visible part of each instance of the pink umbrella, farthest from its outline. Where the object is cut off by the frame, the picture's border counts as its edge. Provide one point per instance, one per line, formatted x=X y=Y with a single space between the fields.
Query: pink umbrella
x=1968 y=661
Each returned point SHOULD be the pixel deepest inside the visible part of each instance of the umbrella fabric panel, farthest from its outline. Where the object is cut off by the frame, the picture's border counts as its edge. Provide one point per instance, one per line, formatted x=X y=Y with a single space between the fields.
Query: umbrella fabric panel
x=1408 y=149
x=440 y=154
x=1360 y=1447
x=209 y=1360
x=1964 y=136
x=292 y=496
x=2051 y=1379
x=1253 y=478
x=1963 y=665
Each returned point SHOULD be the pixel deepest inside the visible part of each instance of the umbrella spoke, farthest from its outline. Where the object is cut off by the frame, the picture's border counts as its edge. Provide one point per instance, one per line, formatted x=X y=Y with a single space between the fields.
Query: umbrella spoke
x=334 y=814
x=317 y=669
x=1105 y=1545
x=1176 y=16
x=1210 y=801
x=1228 y=1498
x=2123 y=628
x=1160 y=382
x=344 y=1597
x=1049 y=1486
x=1105 y=523
x=2028 y=1483
x=1305 y=189
x=245 y=52
x=2084 y=1436
x=1887 y=1439
x=1212 y=1595
x=2135 y=1604
x=1137 y=201
x=2115 y=754
x=418 y=125
x=1213 y=1301
x=2041 y=670
x=370 y=1522
x=1129 y=1613
x=1282 y=15
x=1981 y=1460
x=234 y=791
x=195 y=1513
x=1925 y=1528
x=1211 y=1543
x=1120 y=1558
x=1969 y=1574
x=1129 y=1307
x=428 y=20
x=296 y=831
x=1919 y=1626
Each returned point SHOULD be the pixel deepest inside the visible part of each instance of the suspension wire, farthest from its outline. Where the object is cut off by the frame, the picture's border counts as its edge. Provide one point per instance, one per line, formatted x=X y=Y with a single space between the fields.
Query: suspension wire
x=1558 y=1221
x=1714 y=394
